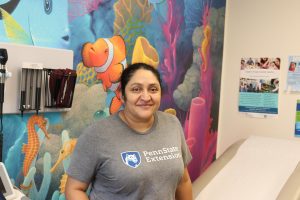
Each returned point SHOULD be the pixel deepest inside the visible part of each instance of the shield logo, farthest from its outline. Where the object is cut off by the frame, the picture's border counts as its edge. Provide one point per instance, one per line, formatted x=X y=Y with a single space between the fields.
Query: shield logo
x=131 y=158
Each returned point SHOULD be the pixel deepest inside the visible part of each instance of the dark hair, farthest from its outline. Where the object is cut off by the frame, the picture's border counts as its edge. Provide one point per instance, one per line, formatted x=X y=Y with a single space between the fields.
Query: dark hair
x=130 y=71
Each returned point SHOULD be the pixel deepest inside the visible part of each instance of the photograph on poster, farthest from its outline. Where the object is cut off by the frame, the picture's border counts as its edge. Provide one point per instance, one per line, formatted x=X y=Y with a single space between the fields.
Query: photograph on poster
x=260 y=63
x=259 y=86
x=293 y=74
x=297 y=123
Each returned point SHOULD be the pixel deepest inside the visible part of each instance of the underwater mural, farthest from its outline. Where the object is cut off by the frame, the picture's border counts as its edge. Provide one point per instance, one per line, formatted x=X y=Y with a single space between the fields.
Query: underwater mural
x=183 y=39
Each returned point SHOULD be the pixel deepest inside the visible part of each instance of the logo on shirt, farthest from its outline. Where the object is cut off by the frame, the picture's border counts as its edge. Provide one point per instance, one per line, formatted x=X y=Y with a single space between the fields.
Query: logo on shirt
x=131 y=158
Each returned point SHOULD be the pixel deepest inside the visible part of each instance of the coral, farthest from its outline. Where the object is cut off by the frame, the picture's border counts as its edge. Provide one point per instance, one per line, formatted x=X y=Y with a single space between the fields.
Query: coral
x=29 y=186
x=131 y=9
x=201 y=136
x=131 y=18
x=57 y=196
x=170 y=71
x=67 y=149
x=85 y=75
x=190 y=87
x=79 y=8
x=132 y=29
x=14 y=136
x=65 y=153
x=144 y=52
x=86 y=101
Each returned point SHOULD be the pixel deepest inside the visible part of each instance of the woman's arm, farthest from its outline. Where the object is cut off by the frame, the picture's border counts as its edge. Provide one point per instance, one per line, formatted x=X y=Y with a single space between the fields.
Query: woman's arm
x=184 y=189
x=76 y=190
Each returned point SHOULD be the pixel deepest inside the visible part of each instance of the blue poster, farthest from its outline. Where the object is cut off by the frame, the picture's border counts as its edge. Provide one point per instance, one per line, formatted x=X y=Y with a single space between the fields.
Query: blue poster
x=259 y=86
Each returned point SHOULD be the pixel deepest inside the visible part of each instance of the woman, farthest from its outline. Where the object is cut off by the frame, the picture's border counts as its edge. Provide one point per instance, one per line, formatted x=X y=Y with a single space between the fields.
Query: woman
x=138 y=153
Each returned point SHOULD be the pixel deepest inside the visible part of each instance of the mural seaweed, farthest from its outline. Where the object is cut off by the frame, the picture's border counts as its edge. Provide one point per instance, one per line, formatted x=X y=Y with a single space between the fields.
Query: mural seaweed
x=81 y=8
x=14 y=136
x=131 y=9
x=29 y=186
x=131 y=17
x=34 y=141
x=169 y=69
x=201 y=136
x=66 y=150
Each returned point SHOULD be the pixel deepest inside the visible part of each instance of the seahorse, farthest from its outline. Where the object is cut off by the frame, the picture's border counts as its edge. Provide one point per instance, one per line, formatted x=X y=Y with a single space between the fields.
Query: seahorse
x=31 y=149
x=67 y=149
x=204 y=49
x=63 y=182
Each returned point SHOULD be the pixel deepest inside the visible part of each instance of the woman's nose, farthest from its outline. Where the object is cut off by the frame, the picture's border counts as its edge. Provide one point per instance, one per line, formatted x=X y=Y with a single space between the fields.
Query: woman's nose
x=145 y=96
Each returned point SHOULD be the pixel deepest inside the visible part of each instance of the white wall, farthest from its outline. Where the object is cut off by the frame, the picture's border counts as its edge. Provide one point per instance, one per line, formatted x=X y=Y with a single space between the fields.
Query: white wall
x=257 y=28
x=17 y=55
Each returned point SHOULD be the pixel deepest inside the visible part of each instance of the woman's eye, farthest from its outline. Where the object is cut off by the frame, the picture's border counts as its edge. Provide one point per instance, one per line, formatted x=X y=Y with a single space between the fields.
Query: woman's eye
x=136 y=89
x=154 y=89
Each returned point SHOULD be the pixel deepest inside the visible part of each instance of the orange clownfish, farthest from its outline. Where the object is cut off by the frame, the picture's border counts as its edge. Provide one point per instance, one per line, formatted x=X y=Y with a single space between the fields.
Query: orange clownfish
x=108 y=57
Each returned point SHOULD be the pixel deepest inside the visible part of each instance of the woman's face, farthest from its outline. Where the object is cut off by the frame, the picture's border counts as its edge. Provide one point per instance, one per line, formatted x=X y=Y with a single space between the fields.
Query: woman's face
x=143 y=95
x=277 y=62
x=292 y=66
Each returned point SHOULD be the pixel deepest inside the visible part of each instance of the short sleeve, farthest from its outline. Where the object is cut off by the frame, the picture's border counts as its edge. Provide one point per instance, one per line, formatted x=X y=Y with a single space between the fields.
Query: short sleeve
x=186 y=154
x=84 y=161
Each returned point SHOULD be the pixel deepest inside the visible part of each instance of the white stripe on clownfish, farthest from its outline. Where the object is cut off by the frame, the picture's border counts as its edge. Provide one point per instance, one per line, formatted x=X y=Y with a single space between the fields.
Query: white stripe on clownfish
x=114 y=86
x=124 y=63
x=104 y=67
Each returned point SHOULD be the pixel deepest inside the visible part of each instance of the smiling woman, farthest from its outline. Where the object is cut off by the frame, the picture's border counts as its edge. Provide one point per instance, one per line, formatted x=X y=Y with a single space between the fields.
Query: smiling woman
x=137 y=153
x=141 y=91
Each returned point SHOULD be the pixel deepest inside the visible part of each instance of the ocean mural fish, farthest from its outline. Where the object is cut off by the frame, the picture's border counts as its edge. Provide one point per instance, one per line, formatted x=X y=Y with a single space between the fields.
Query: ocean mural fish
x=45 y=22
x=14 y=30
x=9 y=6
x=108 y=57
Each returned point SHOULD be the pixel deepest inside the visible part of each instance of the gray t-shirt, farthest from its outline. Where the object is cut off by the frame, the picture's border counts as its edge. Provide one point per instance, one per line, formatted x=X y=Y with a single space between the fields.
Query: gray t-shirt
x=124 y=164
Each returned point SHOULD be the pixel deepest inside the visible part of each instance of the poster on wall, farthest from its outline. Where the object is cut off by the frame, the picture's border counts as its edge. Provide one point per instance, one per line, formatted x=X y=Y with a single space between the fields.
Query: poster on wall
x=259 y=86
x=297 y=123
x=293 y=74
